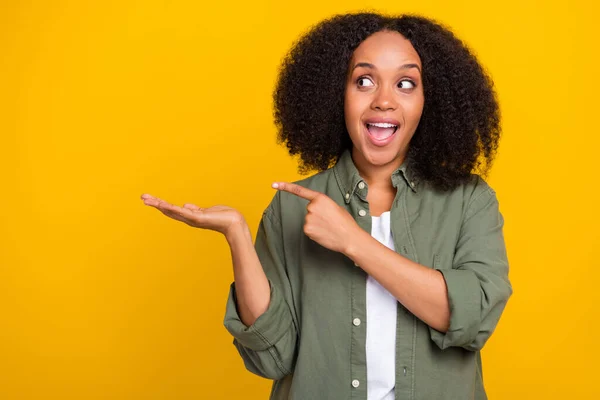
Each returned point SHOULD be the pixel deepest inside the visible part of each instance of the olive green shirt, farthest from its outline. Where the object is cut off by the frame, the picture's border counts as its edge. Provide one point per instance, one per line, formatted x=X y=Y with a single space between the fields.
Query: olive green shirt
x=307 y=342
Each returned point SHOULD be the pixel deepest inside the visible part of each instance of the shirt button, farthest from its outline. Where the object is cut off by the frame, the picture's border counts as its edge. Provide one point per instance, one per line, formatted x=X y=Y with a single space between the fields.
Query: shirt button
x=362 y=213
x=355 y=383
x=347 y=196
x=361 y=185
x=412 y=184
x=356 y=265
x=356 y=321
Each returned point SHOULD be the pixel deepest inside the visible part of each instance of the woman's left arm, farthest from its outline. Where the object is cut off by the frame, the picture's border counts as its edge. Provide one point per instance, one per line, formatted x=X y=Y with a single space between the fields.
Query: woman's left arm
x=462 y=305
x=420 y=289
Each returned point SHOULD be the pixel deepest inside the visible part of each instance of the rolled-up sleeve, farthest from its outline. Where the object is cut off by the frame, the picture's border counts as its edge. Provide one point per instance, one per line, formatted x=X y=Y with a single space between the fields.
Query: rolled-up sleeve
x=478 y=284
x=268 y=346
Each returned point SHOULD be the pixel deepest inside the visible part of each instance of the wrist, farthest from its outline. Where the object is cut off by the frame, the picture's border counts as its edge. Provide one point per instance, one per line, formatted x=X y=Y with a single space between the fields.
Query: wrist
x=353 y=244
x=237 y=232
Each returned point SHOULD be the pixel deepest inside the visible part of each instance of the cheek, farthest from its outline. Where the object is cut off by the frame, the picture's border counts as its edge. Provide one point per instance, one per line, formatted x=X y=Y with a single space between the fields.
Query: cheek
x=414 y=110
x=354 y=107
x=350 y=111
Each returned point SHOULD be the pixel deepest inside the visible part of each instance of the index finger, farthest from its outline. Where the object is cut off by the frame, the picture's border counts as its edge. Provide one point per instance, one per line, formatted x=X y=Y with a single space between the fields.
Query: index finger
x=297 y=190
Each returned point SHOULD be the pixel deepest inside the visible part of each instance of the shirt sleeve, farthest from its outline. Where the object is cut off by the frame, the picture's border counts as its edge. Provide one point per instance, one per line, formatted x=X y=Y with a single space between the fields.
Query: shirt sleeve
x=478 y=285
x=267 y=347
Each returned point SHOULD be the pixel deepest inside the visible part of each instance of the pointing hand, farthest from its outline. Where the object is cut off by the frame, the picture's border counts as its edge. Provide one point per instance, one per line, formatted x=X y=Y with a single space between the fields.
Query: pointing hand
x=326 y=222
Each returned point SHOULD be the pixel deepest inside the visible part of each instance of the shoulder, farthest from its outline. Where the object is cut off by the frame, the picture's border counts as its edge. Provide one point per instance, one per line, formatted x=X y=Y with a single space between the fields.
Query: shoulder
x=476 y=194
x=322 y=182
x=469 y=195
x=476 y=187
x=468 y=190
x=319 y=182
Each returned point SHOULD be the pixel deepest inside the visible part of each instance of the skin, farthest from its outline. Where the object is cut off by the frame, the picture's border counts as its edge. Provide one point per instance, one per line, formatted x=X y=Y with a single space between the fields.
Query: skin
x=251 y=284
x=384 y=81
x=380 y=89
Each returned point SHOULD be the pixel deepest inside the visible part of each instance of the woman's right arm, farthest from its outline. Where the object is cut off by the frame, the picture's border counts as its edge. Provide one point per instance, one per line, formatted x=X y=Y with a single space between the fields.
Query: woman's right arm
x=253 y=292
x=259 y=313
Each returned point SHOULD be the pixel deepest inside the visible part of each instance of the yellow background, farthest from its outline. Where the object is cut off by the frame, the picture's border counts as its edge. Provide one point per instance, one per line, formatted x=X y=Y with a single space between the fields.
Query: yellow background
x=103 y=298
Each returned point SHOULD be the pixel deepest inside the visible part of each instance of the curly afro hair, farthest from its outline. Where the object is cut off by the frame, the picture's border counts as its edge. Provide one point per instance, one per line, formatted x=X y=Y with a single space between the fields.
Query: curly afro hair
x=460 y=125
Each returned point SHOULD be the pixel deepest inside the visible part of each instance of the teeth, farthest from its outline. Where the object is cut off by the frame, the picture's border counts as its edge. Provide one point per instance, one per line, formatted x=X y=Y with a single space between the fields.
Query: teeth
x=382 y=125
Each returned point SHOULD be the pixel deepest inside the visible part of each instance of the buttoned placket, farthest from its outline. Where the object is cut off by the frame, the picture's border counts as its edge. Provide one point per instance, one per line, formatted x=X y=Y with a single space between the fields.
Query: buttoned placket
x=358 y=207
x=355 y=198
x=406 y=323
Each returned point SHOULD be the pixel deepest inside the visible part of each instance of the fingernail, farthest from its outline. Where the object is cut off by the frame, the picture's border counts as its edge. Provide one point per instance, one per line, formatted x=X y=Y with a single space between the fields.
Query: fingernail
x=275 y=186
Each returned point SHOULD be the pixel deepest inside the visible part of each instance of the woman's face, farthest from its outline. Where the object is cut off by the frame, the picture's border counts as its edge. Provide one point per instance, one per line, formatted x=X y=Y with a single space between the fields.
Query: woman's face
x=384 y=99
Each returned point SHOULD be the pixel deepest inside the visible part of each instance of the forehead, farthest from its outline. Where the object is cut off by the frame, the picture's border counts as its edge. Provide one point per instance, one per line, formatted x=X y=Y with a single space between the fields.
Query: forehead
x=386 y=47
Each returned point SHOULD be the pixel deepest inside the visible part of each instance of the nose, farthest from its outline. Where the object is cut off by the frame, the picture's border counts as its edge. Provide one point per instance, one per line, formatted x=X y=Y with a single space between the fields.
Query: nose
x=384 y=100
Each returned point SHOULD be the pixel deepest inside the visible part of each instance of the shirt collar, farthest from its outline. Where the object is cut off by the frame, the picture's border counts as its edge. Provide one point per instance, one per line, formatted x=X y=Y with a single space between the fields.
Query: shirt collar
x=348 y=177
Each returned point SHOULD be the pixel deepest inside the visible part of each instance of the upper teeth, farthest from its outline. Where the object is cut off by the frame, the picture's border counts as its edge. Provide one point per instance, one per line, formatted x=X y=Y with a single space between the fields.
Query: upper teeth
x=382 y=125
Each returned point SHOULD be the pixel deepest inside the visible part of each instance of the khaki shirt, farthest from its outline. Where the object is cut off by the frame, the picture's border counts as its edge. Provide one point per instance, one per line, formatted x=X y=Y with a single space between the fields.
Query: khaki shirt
x=311 y=340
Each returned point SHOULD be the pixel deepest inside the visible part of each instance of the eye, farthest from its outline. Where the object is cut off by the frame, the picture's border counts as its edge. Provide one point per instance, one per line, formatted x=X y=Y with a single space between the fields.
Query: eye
x=363 y=81
x=406 y=84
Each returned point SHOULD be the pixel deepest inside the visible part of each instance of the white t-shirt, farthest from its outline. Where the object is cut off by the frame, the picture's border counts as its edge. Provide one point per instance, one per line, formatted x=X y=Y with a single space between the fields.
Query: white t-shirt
x=381 y=325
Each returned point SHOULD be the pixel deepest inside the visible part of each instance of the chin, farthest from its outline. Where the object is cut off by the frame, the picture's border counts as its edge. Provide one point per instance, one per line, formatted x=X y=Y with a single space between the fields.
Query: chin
x=379 y=156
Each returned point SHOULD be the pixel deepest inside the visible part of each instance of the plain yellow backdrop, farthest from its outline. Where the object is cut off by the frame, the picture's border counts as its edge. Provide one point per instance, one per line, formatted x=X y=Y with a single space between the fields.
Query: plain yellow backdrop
x=100 y=101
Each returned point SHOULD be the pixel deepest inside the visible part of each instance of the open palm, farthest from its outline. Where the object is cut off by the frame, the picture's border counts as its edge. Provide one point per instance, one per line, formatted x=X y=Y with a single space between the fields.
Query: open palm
x=217 y=218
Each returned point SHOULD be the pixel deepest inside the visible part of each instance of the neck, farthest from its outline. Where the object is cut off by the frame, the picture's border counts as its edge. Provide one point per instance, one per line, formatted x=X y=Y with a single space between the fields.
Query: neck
x=376 y=175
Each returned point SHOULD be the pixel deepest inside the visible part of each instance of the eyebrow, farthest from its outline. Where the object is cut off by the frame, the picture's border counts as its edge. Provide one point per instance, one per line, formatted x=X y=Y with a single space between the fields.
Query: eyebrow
x=371 y=66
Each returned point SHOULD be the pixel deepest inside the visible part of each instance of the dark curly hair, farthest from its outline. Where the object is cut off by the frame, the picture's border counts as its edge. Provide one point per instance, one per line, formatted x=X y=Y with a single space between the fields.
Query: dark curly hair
x=460 y=125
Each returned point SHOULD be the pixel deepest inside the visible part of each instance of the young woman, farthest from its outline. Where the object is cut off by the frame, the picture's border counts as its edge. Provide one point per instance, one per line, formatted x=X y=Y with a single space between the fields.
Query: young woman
x=383 y=275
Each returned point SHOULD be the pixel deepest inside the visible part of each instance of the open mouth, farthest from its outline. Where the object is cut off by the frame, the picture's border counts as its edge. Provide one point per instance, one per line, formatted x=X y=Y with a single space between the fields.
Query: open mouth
x=381 y=131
